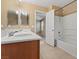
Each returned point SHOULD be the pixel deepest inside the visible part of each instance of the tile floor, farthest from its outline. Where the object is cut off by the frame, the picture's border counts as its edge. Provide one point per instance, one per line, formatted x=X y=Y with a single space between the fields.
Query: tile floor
x=49 y=52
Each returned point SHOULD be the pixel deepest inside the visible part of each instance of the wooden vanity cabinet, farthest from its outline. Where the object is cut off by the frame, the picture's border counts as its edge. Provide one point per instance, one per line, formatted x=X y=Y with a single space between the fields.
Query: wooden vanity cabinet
x=21 y=50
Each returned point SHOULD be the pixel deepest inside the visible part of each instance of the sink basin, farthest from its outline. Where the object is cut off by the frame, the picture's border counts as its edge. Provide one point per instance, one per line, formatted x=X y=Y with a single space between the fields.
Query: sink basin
x=22 y=35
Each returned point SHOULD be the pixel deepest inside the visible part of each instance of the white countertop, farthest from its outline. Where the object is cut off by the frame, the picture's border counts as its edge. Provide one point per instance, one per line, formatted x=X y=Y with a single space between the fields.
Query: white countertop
x=23 y=38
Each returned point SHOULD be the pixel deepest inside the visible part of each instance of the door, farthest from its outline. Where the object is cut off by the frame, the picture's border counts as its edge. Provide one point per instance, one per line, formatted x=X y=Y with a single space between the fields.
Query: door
x=50 y=27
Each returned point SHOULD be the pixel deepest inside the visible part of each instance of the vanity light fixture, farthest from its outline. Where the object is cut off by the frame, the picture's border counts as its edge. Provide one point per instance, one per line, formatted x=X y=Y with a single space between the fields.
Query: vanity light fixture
x=24 y=12
x=20 y=0
x=17 y=12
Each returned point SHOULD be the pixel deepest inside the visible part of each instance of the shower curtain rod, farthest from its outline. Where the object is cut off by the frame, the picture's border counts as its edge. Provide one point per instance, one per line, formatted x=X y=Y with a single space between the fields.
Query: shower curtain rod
x=65 y=5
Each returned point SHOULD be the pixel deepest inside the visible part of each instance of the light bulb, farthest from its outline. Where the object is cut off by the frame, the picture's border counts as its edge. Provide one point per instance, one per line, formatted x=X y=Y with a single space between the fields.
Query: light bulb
x=20 y=0
x=17 y=12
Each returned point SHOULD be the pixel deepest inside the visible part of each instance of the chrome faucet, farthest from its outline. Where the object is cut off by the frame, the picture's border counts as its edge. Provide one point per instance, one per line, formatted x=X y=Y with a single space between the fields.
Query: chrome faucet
x=12 y=33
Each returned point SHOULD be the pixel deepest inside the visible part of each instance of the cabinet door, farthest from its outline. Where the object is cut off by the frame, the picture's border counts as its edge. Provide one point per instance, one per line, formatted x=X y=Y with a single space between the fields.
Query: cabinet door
x=9 y=51
x=50 y=27
x=24 y=50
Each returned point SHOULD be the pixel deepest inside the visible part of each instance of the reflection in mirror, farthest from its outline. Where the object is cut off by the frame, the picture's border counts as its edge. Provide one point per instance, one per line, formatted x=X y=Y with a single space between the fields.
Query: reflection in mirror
x=13 y=18
x=24 y=20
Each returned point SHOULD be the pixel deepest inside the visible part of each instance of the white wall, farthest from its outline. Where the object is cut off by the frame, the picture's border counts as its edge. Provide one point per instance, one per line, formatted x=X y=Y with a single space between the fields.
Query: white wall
x=67 y=25
x=69 y=41
x=70 y=28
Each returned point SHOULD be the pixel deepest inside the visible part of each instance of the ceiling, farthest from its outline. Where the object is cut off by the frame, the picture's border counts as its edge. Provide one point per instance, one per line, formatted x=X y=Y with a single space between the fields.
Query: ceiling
x=47 y=3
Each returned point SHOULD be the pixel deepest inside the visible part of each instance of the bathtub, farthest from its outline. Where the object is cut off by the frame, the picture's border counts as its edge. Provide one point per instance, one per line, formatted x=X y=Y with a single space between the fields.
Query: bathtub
x=69 y=48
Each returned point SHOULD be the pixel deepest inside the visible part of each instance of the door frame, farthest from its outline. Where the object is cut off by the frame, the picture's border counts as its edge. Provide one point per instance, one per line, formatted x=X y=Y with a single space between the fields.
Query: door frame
x=35 y=18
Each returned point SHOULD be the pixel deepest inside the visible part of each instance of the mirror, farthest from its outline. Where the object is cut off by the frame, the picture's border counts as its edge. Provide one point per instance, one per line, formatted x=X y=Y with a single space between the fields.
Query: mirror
x=16 y=14
x=13 y=18
x=25 y=19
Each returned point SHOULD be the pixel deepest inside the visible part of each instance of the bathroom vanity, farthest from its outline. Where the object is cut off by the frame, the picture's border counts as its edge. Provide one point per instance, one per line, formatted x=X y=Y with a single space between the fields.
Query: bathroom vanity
x=21 y=47
x=21 y=50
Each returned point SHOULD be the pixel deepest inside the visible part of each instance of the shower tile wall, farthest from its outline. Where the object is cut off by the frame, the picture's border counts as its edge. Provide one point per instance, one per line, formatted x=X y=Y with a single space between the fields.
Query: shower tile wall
x=70 y=28
x=67 y=26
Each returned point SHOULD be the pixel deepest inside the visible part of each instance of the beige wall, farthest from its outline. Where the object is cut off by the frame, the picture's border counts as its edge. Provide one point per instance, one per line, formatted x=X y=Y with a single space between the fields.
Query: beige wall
x=13 y=5
x=71 y=8
x=31 y=11
x=58 y=13
x=4 y=5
